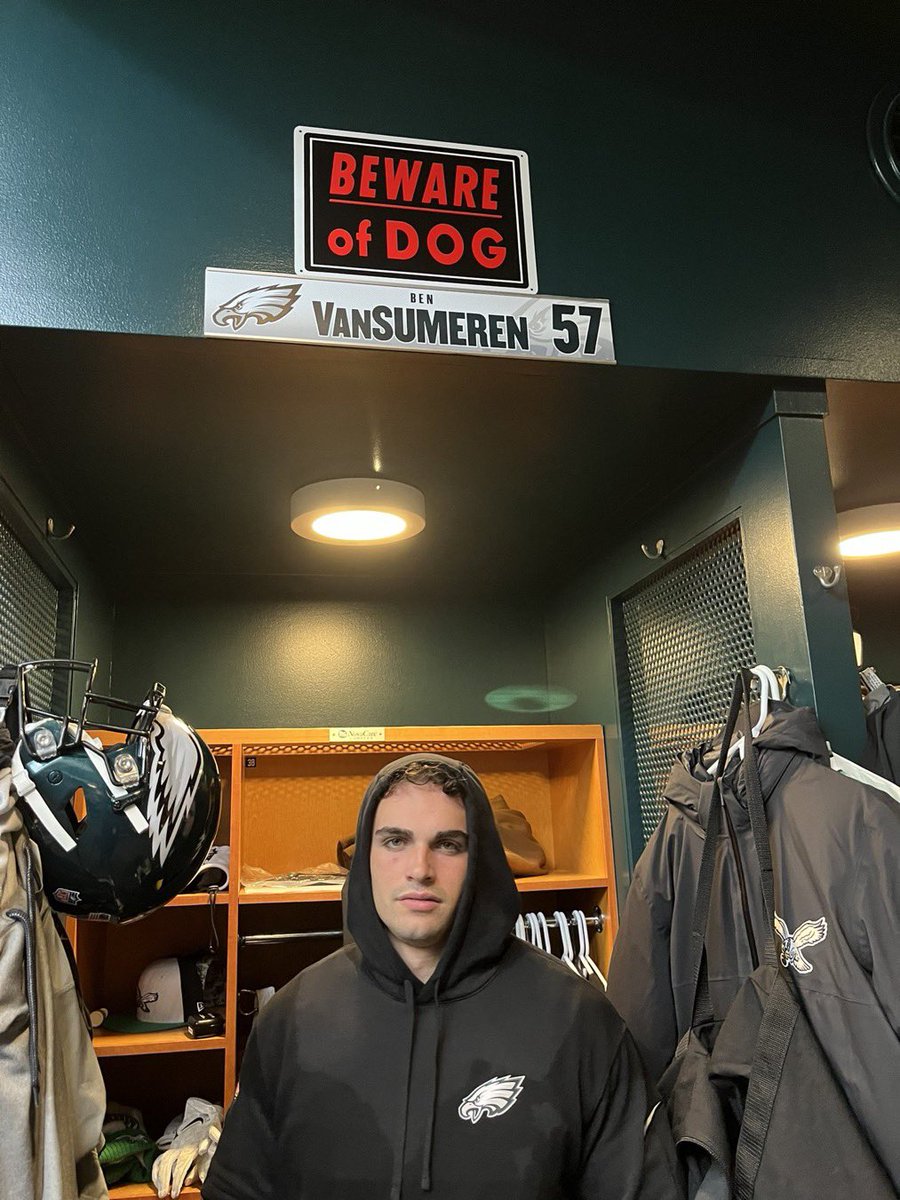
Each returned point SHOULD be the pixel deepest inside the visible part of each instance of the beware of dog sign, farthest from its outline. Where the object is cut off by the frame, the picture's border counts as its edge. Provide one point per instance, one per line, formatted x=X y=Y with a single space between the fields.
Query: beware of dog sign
x=392 y=209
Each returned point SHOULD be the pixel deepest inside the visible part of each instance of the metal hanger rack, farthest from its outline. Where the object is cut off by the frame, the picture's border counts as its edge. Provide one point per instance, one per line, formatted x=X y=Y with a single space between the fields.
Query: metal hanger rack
x=595 y=921
x=274 y=939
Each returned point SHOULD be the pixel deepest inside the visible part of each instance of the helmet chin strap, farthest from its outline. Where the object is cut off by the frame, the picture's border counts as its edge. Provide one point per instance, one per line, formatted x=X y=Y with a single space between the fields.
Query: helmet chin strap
x=213 y=932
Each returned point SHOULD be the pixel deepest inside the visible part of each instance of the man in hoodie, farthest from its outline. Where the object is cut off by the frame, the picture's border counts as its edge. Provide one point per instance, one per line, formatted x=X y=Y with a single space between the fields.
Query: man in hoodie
x=439 y=1056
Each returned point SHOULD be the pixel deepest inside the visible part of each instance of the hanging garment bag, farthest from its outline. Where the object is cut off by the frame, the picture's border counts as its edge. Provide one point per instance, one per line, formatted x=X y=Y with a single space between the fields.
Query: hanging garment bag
x=756 y=1109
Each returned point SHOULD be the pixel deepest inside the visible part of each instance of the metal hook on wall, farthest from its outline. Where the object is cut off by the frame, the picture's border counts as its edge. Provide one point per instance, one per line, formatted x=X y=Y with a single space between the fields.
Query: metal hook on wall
x=783 y=676
x=829 y=575
x=651 y=554
x=50 y=529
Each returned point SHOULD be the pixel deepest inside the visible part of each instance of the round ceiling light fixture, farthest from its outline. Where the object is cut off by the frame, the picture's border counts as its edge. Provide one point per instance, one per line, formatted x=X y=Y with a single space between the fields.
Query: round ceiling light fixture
x=871 y=531
x=357 y=512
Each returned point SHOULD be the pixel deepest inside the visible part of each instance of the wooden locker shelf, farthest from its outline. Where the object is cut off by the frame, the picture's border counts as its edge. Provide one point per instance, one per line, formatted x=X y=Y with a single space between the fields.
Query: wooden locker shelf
x=558 y=881
x=290 y=895
x=145 y=1191
x=160 y=1041
x=189 y=899
x=553 y=881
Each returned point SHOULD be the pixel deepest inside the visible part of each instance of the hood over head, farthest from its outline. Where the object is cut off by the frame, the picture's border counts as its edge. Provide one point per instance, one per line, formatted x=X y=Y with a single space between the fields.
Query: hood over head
x=487 y=909
x=794 y=730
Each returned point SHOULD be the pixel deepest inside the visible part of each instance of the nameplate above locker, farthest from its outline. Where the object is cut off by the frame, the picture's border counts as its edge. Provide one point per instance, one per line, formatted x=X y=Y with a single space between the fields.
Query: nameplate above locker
x=290 y=308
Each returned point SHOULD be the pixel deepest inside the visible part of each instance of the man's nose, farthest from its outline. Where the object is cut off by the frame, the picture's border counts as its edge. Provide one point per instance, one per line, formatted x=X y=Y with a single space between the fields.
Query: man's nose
x=420 y=866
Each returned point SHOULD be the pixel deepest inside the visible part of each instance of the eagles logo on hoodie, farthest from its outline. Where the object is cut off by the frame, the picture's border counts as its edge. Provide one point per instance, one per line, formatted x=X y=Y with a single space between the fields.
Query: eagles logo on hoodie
x=492 y=1099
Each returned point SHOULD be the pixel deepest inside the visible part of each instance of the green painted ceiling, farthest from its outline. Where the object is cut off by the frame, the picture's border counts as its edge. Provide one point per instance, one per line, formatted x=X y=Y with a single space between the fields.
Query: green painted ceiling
x=177 y=457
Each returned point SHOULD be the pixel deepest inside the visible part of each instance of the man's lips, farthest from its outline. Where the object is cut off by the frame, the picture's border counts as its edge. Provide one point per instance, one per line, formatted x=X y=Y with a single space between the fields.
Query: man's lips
x=419 y=901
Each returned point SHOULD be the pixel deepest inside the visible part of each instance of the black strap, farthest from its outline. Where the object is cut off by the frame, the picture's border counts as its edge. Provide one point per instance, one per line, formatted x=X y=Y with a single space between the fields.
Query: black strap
x=759 y=824
x=775 y=1033
x=777 y=1026
x=701 y=1008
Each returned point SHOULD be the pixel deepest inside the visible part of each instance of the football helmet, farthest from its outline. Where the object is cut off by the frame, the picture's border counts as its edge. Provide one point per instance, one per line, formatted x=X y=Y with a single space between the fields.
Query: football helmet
x=121 y=828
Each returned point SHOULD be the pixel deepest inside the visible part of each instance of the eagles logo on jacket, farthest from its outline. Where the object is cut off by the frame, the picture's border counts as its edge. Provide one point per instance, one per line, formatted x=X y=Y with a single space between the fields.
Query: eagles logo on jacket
x=836 y=857
x=503 y=1077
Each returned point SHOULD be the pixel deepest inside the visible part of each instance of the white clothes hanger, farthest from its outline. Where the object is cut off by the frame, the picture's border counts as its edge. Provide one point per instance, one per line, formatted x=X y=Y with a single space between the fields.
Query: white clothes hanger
x=768 y=690
x=587 y=964
x=568 y=950
x=544 y=930
x=534 y=935
x=845 y=766
x=583 y=943
x=519 y=930
x=761 y=671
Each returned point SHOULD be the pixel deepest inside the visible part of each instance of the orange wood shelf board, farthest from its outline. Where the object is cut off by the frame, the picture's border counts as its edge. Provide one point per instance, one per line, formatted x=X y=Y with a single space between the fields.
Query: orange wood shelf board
x=553 y=881
x=144 y=1191
x=189 y=899
x=560 y=881
x=540 y=734
x=290 y=895
x=165 y=1041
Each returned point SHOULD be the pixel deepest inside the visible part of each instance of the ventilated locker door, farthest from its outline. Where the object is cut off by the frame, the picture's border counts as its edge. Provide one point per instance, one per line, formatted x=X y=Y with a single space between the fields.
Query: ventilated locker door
x=35 y=615
x=680 y=637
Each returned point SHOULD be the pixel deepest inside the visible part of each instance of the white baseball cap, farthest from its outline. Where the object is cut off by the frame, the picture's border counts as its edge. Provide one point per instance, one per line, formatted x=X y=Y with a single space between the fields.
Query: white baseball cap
x=168 y=991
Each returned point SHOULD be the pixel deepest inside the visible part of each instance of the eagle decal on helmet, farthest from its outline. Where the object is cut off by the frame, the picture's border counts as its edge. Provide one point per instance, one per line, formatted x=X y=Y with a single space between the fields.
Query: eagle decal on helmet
x=261 y=304
x=810 y=933
x=492 y=1099
x=176 y=763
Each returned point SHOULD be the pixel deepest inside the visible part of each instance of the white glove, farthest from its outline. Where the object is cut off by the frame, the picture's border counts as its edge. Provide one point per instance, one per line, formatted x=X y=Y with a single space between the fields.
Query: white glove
x=189 y=1143
x=207 y=1149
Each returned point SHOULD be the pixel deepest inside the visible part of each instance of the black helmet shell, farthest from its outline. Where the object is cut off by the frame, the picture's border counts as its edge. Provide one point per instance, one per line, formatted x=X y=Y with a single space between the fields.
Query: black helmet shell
x=150 y=813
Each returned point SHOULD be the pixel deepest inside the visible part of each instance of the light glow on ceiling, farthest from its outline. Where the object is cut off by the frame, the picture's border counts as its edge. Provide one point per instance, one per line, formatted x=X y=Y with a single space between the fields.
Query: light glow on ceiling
x=531 y=697
x=870 y=532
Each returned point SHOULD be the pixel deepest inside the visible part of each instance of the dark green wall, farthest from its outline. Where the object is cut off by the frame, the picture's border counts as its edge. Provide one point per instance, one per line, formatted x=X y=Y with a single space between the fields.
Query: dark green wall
x=245 y=660
x=704 y=166
x=26 y=500
x=773 y=480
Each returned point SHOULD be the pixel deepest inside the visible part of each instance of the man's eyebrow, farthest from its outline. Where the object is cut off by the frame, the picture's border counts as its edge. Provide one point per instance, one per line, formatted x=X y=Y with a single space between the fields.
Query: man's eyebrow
x=392 y=831
x=451 y=833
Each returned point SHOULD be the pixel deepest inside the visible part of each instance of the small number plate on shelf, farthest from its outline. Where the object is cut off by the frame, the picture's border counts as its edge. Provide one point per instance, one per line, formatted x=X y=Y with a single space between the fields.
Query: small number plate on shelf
x=249 y=761
x=356 y=733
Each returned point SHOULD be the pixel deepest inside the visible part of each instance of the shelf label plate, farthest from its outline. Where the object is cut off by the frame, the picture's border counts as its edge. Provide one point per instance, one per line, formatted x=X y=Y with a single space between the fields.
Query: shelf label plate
x=356 y=733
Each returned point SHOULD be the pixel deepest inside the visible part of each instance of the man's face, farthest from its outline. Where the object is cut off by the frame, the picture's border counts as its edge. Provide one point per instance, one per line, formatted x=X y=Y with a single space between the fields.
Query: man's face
x=418 y=863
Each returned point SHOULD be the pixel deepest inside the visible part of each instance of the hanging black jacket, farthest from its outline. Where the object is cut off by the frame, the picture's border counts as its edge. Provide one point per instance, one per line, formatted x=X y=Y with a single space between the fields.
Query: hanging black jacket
x=504 y=1077
x=836 y=855
x=882 y=751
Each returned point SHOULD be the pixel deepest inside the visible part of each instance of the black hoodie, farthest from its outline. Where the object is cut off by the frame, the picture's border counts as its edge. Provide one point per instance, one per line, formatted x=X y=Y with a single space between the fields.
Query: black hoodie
x=836 y=857
x=504 y=1077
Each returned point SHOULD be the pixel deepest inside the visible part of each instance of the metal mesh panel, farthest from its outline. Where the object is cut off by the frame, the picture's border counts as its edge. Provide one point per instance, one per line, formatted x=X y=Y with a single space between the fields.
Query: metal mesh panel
x=683 y=635
x=29 y=611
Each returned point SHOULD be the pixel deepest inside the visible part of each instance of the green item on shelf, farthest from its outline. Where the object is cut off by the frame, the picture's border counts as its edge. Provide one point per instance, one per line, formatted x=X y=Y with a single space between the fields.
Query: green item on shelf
x=128 y=1152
